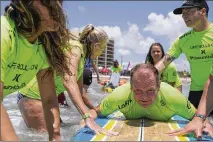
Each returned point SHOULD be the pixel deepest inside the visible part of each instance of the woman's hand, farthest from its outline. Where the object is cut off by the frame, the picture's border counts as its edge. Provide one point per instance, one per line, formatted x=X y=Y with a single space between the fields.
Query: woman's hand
x=97 y=129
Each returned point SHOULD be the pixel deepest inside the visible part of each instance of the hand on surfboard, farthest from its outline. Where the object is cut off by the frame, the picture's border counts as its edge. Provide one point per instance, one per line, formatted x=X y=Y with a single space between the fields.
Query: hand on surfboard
x=94 y=126
x=208 y=127
x=97 y=129
x=195 y=126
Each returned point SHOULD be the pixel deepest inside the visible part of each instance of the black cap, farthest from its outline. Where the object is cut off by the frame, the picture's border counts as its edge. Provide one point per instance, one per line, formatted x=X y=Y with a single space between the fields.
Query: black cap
x=191 y=4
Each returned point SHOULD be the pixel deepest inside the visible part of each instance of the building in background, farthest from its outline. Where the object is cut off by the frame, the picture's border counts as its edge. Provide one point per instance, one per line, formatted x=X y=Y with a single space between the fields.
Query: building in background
x=107 y=57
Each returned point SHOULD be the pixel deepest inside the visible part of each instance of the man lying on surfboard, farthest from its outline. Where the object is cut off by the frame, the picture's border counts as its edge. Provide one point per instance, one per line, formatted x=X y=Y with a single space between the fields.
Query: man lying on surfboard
x=146 y=97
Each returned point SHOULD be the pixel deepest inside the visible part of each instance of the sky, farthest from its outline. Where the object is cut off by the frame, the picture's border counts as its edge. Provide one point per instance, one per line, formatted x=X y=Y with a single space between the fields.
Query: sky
x=134 y=25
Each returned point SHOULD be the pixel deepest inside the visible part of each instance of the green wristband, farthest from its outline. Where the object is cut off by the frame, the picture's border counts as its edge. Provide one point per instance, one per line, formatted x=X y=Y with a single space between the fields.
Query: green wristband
x=86 y=115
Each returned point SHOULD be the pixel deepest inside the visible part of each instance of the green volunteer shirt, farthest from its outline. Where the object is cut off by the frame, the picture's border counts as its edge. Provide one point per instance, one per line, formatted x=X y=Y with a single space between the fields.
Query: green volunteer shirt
x=170 y=75
x=32 y=91
x=20 y=60
x=212 y=69
x=169 y=102
x=198 y=48
x=114 y=69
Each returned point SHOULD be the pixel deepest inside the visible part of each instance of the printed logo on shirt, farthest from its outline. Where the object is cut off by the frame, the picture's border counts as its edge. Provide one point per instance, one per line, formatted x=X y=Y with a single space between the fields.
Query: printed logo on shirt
x=201 y=46
x=188 y=105
x=162 y=102
x=15 y=87
x=23 y=66
x=203 y=51
x=128 y=102
x=16 y=78
x=201 y=57
x=185 y=35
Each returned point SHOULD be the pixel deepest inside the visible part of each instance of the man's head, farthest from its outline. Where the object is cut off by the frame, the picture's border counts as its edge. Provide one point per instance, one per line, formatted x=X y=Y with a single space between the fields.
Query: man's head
x=193 y=12
x=115 y=63
x=144 y=84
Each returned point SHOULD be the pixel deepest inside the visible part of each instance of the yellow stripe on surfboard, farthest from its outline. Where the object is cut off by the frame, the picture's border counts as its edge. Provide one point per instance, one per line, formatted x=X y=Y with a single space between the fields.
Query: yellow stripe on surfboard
x=108 y=126
x=174 y=126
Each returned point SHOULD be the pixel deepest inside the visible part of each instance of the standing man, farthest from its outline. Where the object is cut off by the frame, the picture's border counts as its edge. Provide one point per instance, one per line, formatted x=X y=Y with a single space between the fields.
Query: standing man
x=196 y=44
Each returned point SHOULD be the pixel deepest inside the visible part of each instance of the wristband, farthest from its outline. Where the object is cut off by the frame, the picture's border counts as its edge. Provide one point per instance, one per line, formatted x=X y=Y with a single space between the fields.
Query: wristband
x=200 y=116
x=86 y=115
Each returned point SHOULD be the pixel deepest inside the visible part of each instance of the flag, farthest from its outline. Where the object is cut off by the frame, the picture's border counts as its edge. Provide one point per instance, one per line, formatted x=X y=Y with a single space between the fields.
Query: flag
x=128 y=66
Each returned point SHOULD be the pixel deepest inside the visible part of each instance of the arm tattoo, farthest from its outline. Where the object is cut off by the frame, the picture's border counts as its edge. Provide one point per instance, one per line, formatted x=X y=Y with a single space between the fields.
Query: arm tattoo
x=168 y=59
x=164 y=62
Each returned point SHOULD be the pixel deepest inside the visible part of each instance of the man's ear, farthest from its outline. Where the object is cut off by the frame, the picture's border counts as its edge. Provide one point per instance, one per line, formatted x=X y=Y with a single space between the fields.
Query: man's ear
x=203 y=11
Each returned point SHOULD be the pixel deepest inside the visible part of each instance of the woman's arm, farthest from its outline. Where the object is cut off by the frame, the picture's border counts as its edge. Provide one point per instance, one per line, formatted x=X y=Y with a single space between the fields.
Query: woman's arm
x=83 y=89
x=7 y=130
x=164 y=62
x=49 y=100
x=96 y=70
x=70 y=83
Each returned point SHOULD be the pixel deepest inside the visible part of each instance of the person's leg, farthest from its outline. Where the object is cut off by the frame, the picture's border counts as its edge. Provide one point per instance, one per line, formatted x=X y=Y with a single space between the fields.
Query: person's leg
x=194 y=98
x=32 y=113
x=87 y=80
x=87 y=77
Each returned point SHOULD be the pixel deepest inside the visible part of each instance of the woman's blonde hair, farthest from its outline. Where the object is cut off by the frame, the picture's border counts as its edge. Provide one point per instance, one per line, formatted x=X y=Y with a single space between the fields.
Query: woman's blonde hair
x=91 y=34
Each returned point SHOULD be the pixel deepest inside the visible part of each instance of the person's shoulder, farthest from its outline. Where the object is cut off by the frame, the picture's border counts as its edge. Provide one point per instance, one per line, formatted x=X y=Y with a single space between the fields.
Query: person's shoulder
x=211 y=26
x=185 y=36
x=168 y=91
x=75 y=46
x=4 y=20
x=171 y=65
x=123 y=88
x=173 y=97
x=122 y=92
x=6 y=23
x=75 y=43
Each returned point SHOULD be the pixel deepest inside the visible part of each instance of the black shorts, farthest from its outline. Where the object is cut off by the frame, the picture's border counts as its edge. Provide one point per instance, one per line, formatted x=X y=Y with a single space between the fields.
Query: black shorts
x=87 y=77
x=195 y=97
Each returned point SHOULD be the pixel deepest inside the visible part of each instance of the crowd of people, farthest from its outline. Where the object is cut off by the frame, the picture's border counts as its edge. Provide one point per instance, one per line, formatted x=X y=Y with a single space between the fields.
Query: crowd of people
x=57 y=61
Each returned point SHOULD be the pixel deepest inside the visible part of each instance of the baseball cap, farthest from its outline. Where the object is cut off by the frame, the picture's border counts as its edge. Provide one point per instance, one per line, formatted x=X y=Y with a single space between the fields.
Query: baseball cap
x=191 y=4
